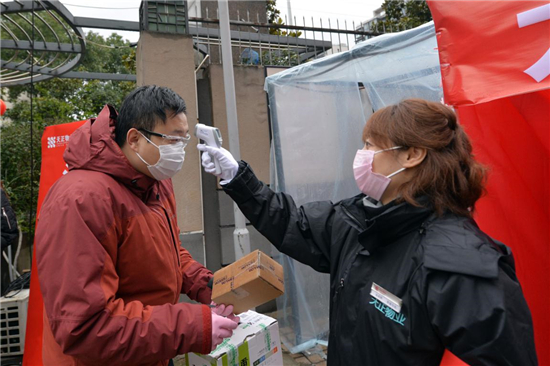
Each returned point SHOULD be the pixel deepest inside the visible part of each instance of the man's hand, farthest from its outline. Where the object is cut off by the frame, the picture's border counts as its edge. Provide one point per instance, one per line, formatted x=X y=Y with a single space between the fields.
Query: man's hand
x=228 y=164
x=226 y=311
x=221 y=328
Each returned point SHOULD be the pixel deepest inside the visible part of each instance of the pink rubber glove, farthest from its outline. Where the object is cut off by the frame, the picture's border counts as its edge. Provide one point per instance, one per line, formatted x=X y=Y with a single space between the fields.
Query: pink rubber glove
x=221 y=328
x=225 y=311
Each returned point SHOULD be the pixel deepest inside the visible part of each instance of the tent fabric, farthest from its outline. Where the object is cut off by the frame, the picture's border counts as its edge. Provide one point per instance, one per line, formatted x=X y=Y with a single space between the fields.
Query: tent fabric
x=318 y=111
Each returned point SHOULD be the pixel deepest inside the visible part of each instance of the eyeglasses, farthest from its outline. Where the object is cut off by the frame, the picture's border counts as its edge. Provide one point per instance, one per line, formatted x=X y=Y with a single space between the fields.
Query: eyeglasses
x=171 y=138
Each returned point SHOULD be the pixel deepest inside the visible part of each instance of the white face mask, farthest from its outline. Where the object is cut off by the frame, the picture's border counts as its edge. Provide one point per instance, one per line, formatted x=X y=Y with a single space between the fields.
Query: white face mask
x=170 y=161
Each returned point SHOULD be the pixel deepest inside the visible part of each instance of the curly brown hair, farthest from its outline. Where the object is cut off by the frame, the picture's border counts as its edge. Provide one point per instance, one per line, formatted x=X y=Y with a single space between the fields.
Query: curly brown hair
x=449 y=174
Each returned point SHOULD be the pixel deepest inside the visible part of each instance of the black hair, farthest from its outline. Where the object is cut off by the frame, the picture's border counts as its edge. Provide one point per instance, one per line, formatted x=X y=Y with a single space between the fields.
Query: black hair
x=144 y=107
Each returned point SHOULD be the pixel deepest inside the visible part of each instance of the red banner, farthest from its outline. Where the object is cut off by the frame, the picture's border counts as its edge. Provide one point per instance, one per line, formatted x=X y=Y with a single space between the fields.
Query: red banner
x=512 y=137
x=495 y=65
x=54 y=142
x=492 y=49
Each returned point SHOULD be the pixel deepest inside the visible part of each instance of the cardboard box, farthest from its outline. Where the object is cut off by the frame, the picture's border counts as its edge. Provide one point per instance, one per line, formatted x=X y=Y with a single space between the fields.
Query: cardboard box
x=251 y=281
x=255 y=342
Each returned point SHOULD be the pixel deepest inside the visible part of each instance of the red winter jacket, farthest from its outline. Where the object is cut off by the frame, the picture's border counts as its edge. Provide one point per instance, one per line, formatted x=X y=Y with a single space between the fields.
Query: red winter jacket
x=110 y=263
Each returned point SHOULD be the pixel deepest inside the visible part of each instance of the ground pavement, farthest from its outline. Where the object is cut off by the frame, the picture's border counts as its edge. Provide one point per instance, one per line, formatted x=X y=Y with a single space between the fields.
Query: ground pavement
x=314 y=356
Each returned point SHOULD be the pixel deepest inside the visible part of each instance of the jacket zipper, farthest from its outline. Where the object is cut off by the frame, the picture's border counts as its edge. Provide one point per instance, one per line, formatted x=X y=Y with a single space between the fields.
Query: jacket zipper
x=178 y=265
x=173 y=237
x=340 y=287
x=344 y=274
x=353 y=218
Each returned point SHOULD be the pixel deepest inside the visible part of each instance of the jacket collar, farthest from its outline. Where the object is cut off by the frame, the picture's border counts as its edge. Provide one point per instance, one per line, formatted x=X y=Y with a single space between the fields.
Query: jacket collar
x=380 y=226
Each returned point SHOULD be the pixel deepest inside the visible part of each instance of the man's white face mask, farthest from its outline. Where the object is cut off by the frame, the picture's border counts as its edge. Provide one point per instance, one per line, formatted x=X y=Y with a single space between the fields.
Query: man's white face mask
x=170 y=161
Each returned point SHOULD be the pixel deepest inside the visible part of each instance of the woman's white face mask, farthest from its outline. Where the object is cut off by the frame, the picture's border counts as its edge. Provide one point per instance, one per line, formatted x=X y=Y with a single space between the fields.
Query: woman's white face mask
x=170 y=161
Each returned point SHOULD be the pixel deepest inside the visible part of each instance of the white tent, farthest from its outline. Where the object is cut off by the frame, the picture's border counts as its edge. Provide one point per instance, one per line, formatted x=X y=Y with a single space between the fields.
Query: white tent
x=318 y=111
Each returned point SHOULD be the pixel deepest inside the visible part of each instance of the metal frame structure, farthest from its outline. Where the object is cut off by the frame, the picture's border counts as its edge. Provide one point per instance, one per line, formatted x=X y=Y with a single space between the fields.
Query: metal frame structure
x=40 y=59
x=55 y=55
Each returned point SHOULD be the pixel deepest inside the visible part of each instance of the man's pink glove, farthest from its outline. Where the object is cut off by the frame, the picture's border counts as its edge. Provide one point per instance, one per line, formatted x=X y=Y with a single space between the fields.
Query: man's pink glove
x=221 y=328
x=226 y=311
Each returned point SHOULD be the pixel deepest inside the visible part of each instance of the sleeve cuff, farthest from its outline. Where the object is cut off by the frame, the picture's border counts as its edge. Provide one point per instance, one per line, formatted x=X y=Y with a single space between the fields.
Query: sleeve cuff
x=243 y=186
x=207 y=329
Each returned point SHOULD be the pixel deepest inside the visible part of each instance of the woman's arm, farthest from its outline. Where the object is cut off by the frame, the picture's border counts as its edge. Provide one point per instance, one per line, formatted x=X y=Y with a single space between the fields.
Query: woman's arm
x=302 y=233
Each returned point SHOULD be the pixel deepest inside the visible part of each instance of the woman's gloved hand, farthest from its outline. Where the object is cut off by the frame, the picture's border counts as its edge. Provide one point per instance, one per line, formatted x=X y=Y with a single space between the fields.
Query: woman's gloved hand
x=221 y=328
x=228 y=164
x=225 y=311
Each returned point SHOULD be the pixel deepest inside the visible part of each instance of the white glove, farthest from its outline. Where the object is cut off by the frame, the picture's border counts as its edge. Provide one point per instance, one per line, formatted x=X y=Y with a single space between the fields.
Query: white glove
x=228 y=164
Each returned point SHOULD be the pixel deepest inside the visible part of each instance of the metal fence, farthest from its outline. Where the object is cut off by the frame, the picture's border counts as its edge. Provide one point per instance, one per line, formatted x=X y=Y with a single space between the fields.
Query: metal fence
x=49 y=35
x=259 y=43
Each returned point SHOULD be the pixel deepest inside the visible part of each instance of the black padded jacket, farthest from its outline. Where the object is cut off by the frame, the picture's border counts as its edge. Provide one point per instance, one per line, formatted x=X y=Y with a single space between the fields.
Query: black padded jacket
x=450 y=285
x=10 y=231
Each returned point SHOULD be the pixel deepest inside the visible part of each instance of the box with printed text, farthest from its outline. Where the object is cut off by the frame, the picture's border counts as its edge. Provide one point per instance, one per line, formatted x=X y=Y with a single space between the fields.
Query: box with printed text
x=255 y=342
x=248 y=282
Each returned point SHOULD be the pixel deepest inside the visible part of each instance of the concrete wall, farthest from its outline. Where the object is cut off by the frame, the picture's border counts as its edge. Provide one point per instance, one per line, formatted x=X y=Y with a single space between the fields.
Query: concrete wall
x=168 y=60
x=252 y=114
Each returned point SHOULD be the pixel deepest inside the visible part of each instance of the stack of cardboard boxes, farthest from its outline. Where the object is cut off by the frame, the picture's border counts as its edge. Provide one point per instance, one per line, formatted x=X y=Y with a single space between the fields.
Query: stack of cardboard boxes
x=251 y=281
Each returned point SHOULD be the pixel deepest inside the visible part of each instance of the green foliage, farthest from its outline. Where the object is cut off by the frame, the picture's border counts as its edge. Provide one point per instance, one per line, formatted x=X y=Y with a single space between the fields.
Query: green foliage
x=272 y=12
x=110 y=60
x=401 y=15
x=273 y=17
x=57 y=101
x=129 y=60
x=394 y=9
x=16 y=163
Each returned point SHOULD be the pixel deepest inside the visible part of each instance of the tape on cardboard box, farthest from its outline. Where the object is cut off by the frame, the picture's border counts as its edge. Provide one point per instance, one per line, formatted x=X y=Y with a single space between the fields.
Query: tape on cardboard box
x=255 y=342
x=248 y=282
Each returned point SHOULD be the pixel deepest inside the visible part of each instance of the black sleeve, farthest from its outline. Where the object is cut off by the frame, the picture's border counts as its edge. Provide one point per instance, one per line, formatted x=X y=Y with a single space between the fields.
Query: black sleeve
x=9 y=228
x=302 y=233
x=483 y=321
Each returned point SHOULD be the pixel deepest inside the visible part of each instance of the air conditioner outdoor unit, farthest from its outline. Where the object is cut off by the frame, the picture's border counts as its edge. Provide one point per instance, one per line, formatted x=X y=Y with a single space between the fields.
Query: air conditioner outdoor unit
x=13 y=322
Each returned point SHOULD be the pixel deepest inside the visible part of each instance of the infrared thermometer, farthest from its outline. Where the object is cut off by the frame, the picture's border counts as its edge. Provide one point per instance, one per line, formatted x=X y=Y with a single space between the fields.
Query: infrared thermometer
x=210 y=136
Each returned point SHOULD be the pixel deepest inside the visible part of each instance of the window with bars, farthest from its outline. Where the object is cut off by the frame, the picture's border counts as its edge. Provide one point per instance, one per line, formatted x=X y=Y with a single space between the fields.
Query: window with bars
x=164 y=17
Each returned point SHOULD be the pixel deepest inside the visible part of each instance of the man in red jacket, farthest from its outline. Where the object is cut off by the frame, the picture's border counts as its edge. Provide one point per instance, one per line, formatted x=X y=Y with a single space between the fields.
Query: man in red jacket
x=110 y=262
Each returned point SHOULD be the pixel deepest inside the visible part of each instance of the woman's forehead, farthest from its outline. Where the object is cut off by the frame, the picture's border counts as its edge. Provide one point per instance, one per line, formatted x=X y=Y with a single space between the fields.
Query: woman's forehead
x=375 y=138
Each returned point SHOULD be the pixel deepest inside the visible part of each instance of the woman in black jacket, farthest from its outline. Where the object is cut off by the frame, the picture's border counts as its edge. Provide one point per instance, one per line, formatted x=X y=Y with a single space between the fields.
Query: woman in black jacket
x=411 y=273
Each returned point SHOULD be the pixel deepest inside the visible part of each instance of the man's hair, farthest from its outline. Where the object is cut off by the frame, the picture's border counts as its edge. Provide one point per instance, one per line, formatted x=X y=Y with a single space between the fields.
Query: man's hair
x=449 y=174
x=144 y=107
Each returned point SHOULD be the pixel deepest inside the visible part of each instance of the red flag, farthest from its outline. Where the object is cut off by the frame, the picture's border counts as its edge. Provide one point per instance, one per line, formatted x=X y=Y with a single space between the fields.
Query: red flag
x=492 y=49
x=54 y=142
x=495 y=66
x=512 y=137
